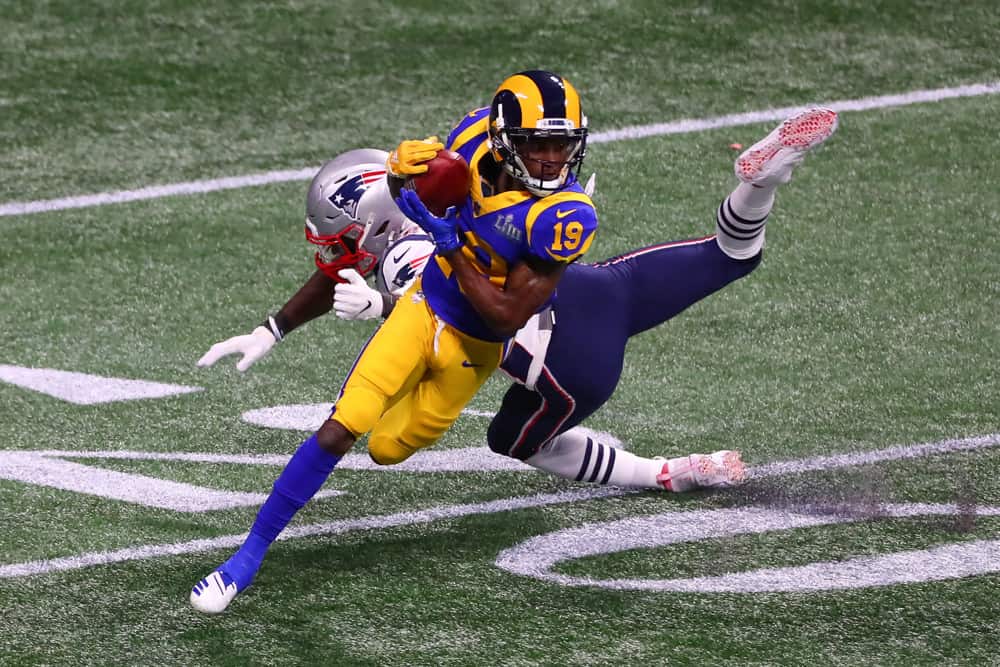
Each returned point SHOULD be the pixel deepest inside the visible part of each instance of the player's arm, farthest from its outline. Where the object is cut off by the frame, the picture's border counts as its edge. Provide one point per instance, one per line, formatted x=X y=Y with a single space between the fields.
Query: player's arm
x=313 y=299
x=529 y=284
x=563 y=230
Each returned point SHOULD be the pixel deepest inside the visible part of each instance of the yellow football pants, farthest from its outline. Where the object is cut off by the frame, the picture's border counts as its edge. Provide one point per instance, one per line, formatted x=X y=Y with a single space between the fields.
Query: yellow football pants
x=412 y=380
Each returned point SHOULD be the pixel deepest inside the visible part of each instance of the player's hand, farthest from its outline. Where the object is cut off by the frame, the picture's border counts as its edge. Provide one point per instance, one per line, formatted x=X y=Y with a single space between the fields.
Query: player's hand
x=588 y=189
x=444 y=231
x=355 y=300
x=254 y=346
x=409 y=156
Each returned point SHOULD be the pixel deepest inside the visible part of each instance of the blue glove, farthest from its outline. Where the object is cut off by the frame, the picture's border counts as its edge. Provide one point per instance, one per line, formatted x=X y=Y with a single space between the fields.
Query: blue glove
x=444 y=230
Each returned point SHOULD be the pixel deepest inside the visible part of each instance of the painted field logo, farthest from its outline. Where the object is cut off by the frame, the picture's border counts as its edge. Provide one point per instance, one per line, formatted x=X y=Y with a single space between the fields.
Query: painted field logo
x=539 y=556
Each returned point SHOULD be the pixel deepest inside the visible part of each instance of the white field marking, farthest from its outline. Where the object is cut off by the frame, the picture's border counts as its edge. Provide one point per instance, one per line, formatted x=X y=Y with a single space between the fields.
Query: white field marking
x=87 y=389
x=877 y=456
x=332 y=528
x=462 y=459
x=42 y=469
x=733 y=120
x=538 y=556
x=373 y=522
x=157 y=191
x=307 y=416
x=632 y=132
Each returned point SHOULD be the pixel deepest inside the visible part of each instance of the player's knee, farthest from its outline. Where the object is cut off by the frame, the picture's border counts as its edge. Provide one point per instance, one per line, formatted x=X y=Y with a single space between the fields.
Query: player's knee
x=387 y=451
x=498 y=439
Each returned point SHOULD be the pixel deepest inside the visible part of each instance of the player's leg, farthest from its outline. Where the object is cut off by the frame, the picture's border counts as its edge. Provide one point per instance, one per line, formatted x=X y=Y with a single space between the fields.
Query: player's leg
x=582 y=366
x=526 y=417
x=761 y=169
x=598 y=309
x=457 y=367
x=665 y=279
x=580 y=455
x=385 y=368
x=659 y=282
x=301 y=478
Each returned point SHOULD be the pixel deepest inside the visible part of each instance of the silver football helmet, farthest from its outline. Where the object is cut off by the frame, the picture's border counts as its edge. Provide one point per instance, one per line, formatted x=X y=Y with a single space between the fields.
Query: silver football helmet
x=350 y=214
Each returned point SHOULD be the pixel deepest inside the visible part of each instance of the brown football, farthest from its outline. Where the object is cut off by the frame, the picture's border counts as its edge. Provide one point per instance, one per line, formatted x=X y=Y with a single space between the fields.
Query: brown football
x=444 y=184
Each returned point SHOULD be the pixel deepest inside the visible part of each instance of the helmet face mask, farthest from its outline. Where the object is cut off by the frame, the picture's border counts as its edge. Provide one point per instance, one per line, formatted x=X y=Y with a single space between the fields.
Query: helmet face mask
x=342 y=251
x=350 y=214
x=537 y=130
x=562 y=153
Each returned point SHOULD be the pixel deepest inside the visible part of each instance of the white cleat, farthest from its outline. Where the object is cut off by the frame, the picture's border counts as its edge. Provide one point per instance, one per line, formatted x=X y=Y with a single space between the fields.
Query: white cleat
x=719 y=469
x=770 y=161
x=703 y=471
x=213 y=594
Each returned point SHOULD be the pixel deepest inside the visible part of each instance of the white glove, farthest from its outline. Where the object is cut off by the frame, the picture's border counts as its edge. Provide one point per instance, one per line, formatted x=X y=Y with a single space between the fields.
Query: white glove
x=254 y=346
x=355 y=300
x=588 y=189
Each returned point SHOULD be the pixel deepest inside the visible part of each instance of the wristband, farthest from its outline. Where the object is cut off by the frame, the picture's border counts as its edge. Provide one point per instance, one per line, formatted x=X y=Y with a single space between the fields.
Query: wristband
x=272 y=325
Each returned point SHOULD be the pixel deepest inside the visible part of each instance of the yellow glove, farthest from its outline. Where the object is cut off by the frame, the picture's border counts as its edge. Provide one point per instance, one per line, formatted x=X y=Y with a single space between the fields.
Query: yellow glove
x=407 y=158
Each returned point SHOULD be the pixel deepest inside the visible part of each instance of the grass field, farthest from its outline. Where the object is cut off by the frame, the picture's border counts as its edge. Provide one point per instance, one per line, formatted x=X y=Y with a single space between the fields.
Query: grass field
x=870 y=328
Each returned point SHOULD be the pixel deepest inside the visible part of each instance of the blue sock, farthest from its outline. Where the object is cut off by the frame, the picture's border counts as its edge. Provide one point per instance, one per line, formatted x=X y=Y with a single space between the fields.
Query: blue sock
x=302 y=477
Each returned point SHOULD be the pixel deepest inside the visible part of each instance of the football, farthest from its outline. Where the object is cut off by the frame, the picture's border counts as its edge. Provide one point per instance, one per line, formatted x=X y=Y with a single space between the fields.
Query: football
x=444 y=184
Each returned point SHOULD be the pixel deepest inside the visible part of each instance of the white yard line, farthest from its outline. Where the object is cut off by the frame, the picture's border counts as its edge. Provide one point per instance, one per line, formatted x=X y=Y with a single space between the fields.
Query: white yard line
x=633 y=132
x=143 y=552
x=334 y=527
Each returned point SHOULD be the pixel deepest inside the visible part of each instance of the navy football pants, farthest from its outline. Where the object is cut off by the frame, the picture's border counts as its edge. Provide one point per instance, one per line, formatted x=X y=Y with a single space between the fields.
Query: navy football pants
x=597 y=308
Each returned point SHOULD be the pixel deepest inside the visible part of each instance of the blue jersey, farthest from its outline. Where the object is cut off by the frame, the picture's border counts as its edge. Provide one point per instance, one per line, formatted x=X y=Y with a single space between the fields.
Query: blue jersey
x=500 y=230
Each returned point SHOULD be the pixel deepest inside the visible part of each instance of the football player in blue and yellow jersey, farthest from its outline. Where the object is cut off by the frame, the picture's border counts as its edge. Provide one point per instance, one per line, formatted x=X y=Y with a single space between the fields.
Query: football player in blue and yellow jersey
x=526 y=217
x=497 y=261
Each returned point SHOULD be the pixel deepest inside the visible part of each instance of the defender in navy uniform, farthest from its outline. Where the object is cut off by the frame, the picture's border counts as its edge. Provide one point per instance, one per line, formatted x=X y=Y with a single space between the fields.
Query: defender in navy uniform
x=567 y=364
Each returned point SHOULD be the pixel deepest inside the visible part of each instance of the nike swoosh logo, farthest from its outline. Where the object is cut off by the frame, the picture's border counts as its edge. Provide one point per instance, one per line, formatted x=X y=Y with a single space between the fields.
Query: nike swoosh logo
x=398 y=257
x=562 y=214
x=370 y=304
x=469 y=364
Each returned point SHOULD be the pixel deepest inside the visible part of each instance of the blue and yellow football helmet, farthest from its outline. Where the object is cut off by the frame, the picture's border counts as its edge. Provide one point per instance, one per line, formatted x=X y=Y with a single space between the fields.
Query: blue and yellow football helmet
x=532 y=108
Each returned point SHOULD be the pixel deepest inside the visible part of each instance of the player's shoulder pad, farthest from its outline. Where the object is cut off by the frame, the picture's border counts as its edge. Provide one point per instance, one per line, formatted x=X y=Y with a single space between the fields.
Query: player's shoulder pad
x=402 y=261
x=561 y=226
x=472 y=125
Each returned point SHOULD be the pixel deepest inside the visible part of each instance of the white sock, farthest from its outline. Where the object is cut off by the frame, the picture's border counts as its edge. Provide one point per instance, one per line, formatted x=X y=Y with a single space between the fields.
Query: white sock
x=741 y=218
x=578 y=456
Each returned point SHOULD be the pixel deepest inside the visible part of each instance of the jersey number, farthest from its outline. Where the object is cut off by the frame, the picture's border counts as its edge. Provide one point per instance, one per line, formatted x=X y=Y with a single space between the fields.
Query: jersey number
x=573 y=232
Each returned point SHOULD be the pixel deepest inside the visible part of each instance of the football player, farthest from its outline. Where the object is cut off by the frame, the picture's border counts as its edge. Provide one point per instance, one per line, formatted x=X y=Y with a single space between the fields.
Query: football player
x=598 y=308
x=445 y=336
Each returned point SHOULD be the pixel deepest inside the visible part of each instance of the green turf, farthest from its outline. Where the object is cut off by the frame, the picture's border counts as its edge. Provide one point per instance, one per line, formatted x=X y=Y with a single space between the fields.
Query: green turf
x=108 y=95
x=871 y=323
